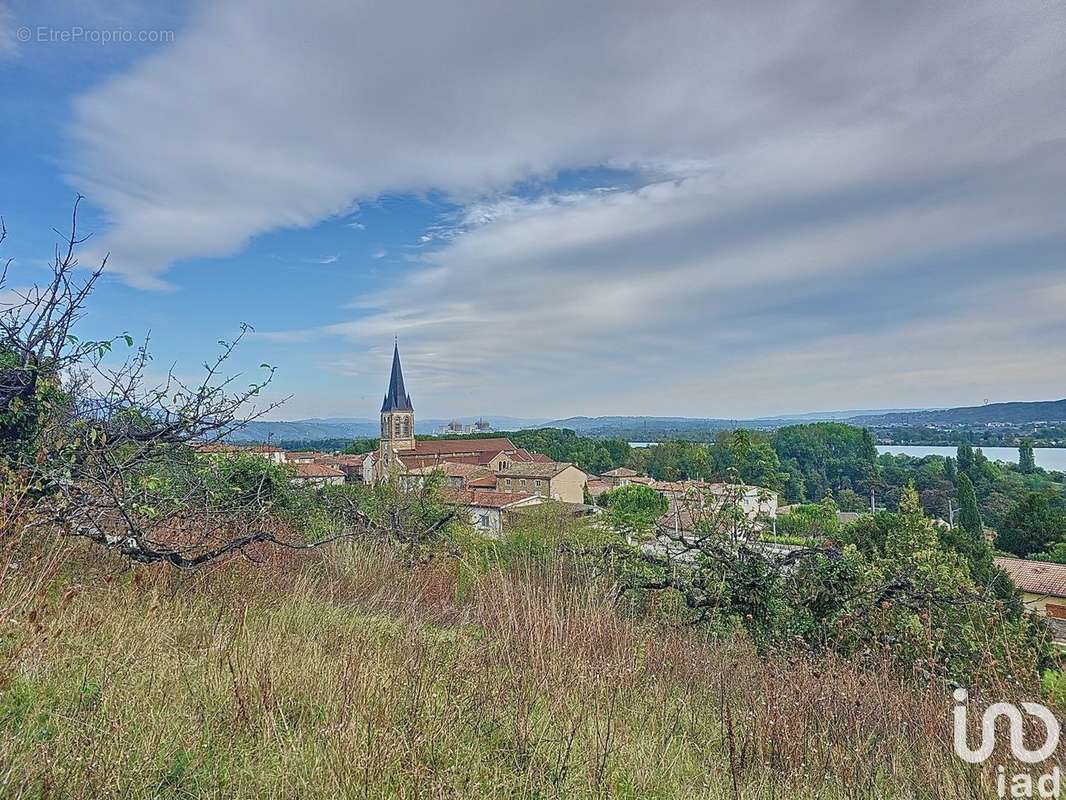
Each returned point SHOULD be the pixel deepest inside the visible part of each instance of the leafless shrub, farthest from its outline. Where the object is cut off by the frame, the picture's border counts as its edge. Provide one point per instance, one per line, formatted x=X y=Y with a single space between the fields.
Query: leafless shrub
x=95 y=448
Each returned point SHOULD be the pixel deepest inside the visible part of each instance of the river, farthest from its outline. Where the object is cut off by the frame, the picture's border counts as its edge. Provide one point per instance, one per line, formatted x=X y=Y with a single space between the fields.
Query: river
x=1050 y=458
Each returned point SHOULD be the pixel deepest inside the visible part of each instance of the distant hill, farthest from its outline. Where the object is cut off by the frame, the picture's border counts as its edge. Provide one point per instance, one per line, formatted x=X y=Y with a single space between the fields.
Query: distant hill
x=315 y=429
x=303 y=431
x=1015 y=413
x=639 y=429
x=836 y=416
x=658 y=428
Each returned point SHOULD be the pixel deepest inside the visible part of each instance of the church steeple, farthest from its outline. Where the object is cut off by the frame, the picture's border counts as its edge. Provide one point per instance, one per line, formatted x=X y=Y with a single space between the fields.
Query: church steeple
x=397 y=416
x=396 y=399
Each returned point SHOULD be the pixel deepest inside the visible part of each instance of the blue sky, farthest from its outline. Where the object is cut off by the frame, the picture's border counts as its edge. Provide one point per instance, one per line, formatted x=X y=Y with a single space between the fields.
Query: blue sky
x=713 y=209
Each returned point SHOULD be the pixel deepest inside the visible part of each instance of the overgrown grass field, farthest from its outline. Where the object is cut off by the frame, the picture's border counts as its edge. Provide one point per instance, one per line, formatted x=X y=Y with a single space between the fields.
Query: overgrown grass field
x=348 y=673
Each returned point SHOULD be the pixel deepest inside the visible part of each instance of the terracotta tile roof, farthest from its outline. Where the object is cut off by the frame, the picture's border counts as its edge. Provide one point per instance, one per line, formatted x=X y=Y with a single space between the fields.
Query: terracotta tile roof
x=481 y=499
x=485 y=481
x=415 y=462
x=535 y=469
x=453 y=469
x=354 y=461
x=621 y=472
x=262 y=448
x=317 y=471
x=521 y=454
x=304 y=455
x=443 y=447
x=1036 y=577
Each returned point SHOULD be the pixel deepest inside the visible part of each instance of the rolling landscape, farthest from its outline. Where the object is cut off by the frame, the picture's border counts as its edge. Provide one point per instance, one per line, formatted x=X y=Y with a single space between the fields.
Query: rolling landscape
x=652 y=428
x=421 y=400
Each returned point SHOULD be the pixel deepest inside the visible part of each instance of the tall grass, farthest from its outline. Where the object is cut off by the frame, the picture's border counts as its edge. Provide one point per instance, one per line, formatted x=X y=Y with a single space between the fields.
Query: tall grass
x=351 y=674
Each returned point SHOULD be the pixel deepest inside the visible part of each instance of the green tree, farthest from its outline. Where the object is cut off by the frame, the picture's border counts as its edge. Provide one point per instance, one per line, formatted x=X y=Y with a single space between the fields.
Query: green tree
x=965 y=455
x=1033 y=525
x=1026 y=457
x=811 y=521
x=950 y=473
x=832 y=456
x=633 y=509
x=969 y=513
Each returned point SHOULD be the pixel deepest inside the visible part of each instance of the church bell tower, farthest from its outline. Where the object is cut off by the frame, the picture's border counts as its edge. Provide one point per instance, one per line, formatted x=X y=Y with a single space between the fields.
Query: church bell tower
x=397 y=415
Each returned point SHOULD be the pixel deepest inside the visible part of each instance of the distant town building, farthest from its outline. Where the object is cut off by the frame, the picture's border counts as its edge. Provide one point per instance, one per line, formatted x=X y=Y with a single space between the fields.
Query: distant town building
x=558 y=481
x=456 y=427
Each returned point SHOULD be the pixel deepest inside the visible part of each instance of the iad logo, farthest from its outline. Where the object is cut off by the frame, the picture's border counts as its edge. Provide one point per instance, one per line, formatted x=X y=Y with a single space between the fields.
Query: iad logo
x=1022 y=784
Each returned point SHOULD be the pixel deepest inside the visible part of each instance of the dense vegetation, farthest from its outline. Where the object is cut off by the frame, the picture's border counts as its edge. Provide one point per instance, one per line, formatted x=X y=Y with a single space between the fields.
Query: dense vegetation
x=1045 y=435
x=810 y=462
x=349 y=673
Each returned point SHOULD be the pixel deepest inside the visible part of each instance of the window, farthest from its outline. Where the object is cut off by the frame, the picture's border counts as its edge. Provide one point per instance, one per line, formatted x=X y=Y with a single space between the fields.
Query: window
x=396 y=427
x=522 y=483
x=483 y=520
x=406 y=427
x=508 y=481
x=536 y=483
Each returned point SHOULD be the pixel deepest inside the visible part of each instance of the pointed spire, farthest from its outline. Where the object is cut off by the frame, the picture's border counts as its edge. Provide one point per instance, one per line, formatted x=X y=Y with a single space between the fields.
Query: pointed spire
x=397 y=399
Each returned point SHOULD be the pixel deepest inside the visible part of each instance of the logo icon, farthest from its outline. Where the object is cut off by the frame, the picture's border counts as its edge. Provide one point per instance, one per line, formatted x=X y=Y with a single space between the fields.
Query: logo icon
x=1016 y=727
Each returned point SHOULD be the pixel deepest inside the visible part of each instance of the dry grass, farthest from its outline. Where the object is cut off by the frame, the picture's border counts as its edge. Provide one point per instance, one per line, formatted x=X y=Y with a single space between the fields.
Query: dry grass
x=347 y=674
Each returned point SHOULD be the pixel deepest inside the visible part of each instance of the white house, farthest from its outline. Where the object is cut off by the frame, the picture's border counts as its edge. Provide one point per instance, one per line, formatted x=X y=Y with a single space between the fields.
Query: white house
x=487 y=509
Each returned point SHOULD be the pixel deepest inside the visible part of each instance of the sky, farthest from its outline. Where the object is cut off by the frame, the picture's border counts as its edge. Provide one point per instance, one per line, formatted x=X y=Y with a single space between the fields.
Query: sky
x=723 y=209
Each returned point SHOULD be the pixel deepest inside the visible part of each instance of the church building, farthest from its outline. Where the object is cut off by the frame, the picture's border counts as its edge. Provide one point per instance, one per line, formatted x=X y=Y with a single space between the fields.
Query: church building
x=400 y=453
x=397 y=415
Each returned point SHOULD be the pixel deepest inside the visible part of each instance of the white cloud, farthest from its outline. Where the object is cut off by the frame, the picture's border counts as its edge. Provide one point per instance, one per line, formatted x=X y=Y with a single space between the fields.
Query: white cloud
x=796 y=169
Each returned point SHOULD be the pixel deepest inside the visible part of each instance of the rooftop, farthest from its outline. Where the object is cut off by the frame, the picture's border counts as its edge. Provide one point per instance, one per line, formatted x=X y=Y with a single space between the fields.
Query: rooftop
x=1036 y=577
x=317 y=471
x=441 y=447
x=621 y=472
x=535 y=469
x=485 y=499
x=397 y=398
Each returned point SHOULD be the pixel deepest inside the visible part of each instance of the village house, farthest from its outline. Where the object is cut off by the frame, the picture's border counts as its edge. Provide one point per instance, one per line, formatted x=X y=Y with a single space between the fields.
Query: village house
x=458 y=475
x=316 y=475
x=1043 y=587
x=596 y=487
x=755 y=501
x=558 y=481
x=487 y=509
x=268 y=451
x=623 y=476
